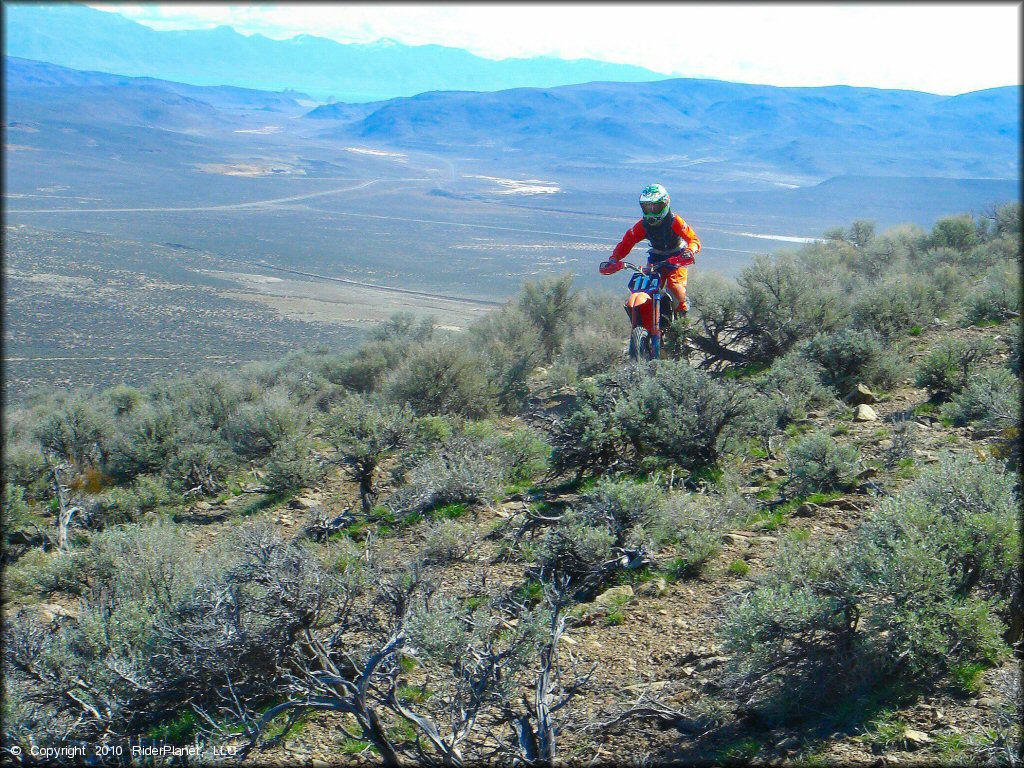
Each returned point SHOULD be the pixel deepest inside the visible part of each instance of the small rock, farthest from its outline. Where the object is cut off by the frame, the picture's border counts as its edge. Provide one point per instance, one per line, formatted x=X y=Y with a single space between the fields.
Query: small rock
x=613 y=595
x=710 y=663
x=916 y=739
x=303 y=502
x=843 y=503
x=865 y=413
x=202 y=506
x=50 y=612
x=806 y=510
x=736 y=539
x=861 y=395
x=988 y=703
x=654 y=588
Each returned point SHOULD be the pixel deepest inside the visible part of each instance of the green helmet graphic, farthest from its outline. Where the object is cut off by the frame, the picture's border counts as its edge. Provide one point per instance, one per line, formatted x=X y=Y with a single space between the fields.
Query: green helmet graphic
x=654 y=202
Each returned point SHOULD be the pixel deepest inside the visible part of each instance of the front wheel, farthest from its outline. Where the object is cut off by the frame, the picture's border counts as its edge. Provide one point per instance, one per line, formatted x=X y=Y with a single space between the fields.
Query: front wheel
x=639 y=344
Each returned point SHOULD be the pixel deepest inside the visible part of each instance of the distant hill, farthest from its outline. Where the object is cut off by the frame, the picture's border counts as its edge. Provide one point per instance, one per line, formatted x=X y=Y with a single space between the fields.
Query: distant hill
x=24 y=76
x=76 y=36
x=40 y=91
x=824 y=131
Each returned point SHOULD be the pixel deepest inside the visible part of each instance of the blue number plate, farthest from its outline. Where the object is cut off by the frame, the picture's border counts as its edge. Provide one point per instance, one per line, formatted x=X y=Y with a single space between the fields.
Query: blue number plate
x=640 y=283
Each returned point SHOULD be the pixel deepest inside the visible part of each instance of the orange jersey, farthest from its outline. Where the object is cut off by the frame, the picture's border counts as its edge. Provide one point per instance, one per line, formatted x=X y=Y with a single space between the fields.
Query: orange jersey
x=637 y=233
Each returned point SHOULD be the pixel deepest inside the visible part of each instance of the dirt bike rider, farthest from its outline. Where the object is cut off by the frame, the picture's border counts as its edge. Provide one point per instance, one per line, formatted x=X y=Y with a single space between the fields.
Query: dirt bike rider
x=673 y=246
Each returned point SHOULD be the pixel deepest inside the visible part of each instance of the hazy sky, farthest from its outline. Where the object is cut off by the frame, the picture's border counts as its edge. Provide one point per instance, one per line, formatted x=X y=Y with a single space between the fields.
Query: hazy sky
x=948 y=48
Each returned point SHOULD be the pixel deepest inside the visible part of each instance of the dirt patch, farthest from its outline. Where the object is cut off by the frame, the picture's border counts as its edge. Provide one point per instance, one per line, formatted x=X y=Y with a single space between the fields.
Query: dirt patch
x=251 y=169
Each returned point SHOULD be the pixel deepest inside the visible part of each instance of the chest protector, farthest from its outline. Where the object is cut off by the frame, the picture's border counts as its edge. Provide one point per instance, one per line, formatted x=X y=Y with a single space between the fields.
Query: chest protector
x=662 y=237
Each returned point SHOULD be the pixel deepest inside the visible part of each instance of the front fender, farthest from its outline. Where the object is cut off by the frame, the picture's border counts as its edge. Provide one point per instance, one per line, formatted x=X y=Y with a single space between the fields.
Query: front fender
x=637 y=300
x=641 y=309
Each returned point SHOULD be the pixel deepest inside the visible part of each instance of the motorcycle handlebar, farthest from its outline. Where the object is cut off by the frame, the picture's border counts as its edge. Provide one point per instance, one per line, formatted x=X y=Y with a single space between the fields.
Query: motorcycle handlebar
x=645 y=269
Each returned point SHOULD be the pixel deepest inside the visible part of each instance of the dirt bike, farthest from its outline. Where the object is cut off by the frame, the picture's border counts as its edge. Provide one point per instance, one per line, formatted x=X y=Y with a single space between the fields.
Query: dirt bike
x=648 y=302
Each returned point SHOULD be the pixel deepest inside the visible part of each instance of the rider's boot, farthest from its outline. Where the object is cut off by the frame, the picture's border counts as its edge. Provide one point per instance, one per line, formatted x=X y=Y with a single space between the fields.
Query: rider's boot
x=667 y=314
x=681 y=315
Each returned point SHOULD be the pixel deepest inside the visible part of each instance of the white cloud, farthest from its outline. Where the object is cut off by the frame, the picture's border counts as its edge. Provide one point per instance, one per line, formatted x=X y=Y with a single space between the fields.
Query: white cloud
x=947 y=48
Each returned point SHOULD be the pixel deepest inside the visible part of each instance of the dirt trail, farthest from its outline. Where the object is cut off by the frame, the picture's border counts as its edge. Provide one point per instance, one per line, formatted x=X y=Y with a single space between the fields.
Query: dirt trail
x=253 y=205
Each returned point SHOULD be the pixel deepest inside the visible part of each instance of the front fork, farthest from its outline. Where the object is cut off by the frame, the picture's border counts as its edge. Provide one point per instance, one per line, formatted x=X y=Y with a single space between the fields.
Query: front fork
x=635 y=320
x=656 y=324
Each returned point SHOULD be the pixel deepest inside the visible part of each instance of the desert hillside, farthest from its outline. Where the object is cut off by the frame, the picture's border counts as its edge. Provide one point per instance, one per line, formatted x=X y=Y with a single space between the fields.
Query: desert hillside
x=792 y=540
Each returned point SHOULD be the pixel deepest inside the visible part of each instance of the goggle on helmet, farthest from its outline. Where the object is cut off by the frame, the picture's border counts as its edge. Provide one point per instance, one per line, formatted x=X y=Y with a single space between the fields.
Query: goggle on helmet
x=654 y=202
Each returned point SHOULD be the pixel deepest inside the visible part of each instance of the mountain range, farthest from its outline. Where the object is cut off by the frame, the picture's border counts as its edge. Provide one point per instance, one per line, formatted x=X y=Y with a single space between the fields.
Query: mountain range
x=80 y=37
x=821 y=132
x=703 y=126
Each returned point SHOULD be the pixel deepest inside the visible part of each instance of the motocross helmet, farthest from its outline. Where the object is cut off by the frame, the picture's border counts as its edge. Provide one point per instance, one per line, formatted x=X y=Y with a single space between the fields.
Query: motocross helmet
x=654 y=202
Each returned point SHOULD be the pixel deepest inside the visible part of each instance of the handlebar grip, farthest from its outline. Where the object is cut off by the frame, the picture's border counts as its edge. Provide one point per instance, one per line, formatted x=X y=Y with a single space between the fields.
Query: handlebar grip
x=682 y=260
